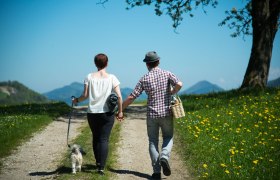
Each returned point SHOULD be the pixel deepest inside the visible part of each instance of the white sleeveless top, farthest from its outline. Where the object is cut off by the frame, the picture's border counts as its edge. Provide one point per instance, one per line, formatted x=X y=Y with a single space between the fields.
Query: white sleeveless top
x=99 y=89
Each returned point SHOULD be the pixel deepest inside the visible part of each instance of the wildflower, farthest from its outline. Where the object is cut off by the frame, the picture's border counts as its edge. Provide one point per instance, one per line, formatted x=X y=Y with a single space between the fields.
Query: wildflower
x=223 y=165
x=256 y=162
x=227 y=171
x=205 y=166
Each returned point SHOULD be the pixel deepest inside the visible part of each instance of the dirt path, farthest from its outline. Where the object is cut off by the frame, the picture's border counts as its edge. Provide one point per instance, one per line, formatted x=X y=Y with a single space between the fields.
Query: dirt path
x=40 y=156
x=134 y=160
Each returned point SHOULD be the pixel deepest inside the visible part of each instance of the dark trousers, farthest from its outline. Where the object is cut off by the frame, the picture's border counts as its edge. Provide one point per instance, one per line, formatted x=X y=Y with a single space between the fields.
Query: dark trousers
x=101 y=125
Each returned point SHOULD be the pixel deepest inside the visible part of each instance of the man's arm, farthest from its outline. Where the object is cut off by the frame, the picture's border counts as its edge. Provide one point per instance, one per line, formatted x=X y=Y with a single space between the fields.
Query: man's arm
x=177 y=88
x=128 y=101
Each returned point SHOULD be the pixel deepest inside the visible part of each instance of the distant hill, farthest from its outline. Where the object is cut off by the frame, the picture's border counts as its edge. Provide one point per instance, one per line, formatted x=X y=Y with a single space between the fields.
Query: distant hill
x=126 y=92
x=202 y=87
x=66 y=92
x=274 y=83
x=75 y=89
x=13 y=92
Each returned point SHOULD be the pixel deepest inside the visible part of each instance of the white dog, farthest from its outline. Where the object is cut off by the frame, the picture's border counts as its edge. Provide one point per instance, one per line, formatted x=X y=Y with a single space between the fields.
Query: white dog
x=76 y=158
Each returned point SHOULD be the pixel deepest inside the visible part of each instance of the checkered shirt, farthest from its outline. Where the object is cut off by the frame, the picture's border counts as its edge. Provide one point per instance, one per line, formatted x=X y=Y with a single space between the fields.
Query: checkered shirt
x=156 y=83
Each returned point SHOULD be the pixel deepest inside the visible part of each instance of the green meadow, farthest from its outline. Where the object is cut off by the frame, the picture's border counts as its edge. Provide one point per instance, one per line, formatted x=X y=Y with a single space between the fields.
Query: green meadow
x=232 y=135
x=228 y=135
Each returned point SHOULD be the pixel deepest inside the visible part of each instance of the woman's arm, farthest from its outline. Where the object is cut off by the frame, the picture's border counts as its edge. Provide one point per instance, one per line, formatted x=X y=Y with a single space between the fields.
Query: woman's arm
x=120 y=109
x=83 y=97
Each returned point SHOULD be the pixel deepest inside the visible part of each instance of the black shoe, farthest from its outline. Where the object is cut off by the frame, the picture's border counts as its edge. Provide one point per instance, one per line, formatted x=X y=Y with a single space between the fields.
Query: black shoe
x=165 y=167
x=156 y=176
x=97 y=166
x=101 y=172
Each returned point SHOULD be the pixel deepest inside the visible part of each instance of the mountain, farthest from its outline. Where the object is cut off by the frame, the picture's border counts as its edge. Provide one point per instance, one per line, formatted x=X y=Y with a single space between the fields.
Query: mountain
x=126 y=92
x=75 y=89
x=202 y=87
x=65 y=93
x=13 y=92
x=274 y=83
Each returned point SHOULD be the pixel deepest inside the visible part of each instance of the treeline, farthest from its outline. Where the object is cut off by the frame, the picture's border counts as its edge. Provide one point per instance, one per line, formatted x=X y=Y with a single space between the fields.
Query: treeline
x=13 y=92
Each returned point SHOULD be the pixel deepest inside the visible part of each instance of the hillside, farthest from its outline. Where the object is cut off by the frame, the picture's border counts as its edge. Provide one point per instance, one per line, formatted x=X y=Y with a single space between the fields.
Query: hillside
x=202 y=87
x=75 y=89
x=66 y=92
x=274 y=83
x=13 y=92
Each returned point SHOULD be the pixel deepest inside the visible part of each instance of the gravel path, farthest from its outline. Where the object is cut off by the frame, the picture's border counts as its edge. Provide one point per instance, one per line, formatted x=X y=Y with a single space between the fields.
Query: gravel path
x=40 y=156
x=134 y=160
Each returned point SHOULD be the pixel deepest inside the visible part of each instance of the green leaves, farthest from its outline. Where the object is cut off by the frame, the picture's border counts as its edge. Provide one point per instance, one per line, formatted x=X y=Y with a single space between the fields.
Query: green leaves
x=174 y=9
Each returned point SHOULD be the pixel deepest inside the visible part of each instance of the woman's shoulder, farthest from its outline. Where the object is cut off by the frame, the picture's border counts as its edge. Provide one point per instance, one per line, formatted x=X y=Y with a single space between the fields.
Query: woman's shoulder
x=89 y=75
x=112 y=75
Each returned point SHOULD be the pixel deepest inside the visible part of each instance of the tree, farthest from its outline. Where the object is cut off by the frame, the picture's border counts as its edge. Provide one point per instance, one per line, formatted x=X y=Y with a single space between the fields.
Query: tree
x=259 y=18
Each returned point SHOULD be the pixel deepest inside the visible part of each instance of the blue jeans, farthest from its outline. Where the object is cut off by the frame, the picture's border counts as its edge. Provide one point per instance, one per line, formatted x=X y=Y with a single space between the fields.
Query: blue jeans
x=166 y=126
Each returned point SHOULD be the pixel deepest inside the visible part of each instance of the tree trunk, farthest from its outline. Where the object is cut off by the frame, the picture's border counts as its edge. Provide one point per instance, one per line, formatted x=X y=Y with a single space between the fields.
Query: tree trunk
x=265 y=15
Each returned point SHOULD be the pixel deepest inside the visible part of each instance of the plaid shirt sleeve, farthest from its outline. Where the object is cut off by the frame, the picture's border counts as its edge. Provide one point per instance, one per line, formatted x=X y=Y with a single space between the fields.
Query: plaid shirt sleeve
x=173 y=79
x=138 y=89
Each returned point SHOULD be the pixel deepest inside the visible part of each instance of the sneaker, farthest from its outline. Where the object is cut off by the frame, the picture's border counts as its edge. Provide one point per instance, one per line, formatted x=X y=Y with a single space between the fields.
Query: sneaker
x=165 y=167
x=156 y=176
x=101 y=172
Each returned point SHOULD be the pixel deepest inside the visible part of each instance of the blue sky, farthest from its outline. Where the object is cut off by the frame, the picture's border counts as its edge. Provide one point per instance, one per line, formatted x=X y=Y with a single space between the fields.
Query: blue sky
x=47 y=44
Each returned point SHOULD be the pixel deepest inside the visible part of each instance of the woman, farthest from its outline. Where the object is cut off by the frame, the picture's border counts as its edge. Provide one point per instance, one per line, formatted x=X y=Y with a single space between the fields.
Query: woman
x=97 y=87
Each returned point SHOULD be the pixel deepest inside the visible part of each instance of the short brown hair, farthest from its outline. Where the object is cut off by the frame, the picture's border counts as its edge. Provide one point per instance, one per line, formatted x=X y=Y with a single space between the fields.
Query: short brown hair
x=153 y=64
x=101 y=60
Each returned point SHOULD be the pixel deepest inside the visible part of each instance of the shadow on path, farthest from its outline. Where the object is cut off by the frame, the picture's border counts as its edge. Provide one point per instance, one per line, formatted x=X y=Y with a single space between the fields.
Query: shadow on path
x=87 y=168
x=135 y=173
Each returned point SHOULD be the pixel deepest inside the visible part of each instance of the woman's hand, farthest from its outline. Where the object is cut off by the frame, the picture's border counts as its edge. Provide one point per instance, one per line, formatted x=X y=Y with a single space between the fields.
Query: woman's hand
x=74 y=100
x=120 y=116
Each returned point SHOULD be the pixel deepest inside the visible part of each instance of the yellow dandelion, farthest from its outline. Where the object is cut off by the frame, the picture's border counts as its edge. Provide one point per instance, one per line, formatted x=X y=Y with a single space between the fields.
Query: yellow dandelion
x=227 y=171
x=205 y=166
x=255 y=161
x=223 y=165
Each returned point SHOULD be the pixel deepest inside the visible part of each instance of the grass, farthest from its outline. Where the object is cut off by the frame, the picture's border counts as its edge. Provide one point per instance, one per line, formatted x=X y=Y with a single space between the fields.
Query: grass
x=232 y=135
x=18 y=123
x=89 y=168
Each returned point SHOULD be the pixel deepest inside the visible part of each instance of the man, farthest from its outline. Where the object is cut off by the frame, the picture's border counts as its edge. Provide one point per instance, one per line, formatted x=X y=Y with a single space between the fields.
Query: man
x=157 y=84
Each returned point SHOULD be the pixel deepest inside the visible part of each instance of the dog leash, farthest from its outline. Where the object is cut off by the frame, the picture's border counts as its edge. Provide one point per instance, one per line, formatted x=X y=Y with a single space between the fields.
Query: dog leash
x=69 y=122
